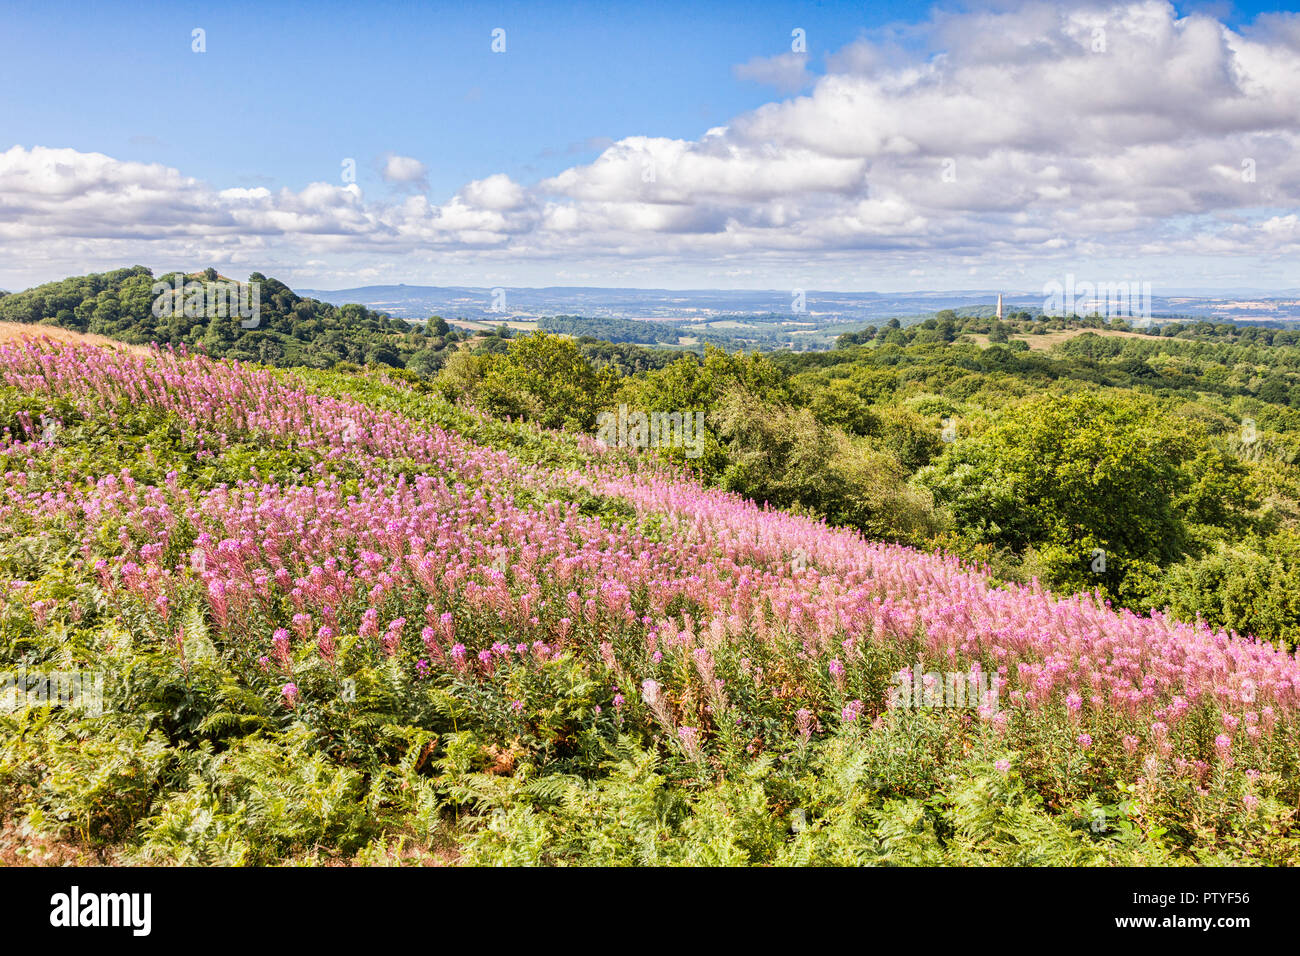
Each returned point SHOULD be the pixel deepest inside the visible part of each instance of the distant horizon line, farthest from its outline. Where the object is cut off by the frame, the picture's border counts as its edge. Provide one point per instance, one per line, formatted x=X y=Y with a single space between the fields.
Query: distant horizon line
x=993 y=292
x=1201 y=292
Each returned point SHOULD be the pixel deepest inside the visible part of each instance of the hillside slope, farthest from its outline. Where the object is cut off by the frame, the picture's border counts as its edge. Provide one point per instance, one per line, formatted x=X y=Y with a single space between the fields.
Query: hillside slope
x=325 y=629
x=19 y=332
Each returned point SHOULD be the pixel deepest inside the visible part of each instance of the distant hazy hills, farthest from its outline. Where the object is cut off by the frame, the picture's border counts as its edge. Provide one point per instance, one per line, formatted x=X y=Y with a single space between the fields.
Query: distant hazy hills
x=482 y=305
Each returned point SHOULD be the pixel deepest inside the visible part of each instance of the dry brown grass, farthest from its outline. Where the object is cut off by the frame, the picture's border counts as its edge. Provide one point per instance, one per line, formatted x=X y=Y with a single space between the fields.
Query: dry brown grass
x=21 y=331
x=22 y=847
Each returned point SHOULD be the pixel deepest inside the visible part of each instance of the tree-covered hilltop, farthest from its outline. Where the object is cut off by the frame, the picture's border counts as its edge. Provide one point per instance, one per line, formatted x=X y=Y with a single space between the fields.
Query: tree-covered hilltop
x=290 y=330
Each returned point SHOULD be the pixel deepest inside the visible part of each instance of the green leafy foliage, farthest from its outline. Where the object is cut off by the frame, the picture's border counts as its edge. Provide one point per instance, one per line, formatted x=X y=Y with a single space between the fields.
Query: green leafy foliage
x=1101 y=487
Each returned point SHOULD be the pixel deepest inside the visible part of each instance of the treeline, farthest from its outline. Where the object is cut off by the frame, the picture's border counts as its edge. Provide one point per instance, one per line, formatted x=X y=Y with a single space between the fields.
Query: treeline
x=948 y=326
x=752 y=331
x=613 y=330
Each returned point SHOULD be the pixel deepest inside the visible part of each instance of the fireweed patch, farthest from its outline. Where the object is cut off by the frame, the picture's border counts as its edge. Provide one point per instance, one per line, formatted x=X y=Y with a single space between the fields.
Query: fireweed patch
x=418 y=637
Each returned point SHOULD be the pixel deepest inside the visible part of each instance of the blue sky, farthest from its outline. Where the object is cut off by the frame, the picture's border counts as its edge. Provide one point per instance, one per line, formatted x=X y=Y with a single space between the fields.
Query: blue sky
x=286 y=92
x=294 y=86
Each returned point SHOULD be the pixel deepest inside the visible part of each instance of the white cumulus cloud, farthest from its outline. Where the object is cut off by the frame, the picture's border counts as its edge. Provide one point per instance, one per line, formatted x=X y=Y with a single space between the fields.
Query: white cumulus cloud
x=993 y=140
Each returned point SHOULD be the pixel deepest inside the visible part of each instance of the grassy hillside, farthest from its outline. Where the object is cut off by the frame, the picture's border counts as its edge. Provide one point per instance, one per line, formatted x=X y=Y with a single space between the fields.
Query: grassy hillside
x=1160 y=469
x=335 y=617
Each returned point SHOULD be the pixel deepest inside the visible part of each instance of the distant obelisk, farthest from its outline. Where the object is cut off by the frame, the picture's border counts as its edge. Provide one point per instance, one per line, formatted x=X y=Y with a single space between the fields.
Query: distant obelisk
x=999 y=306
